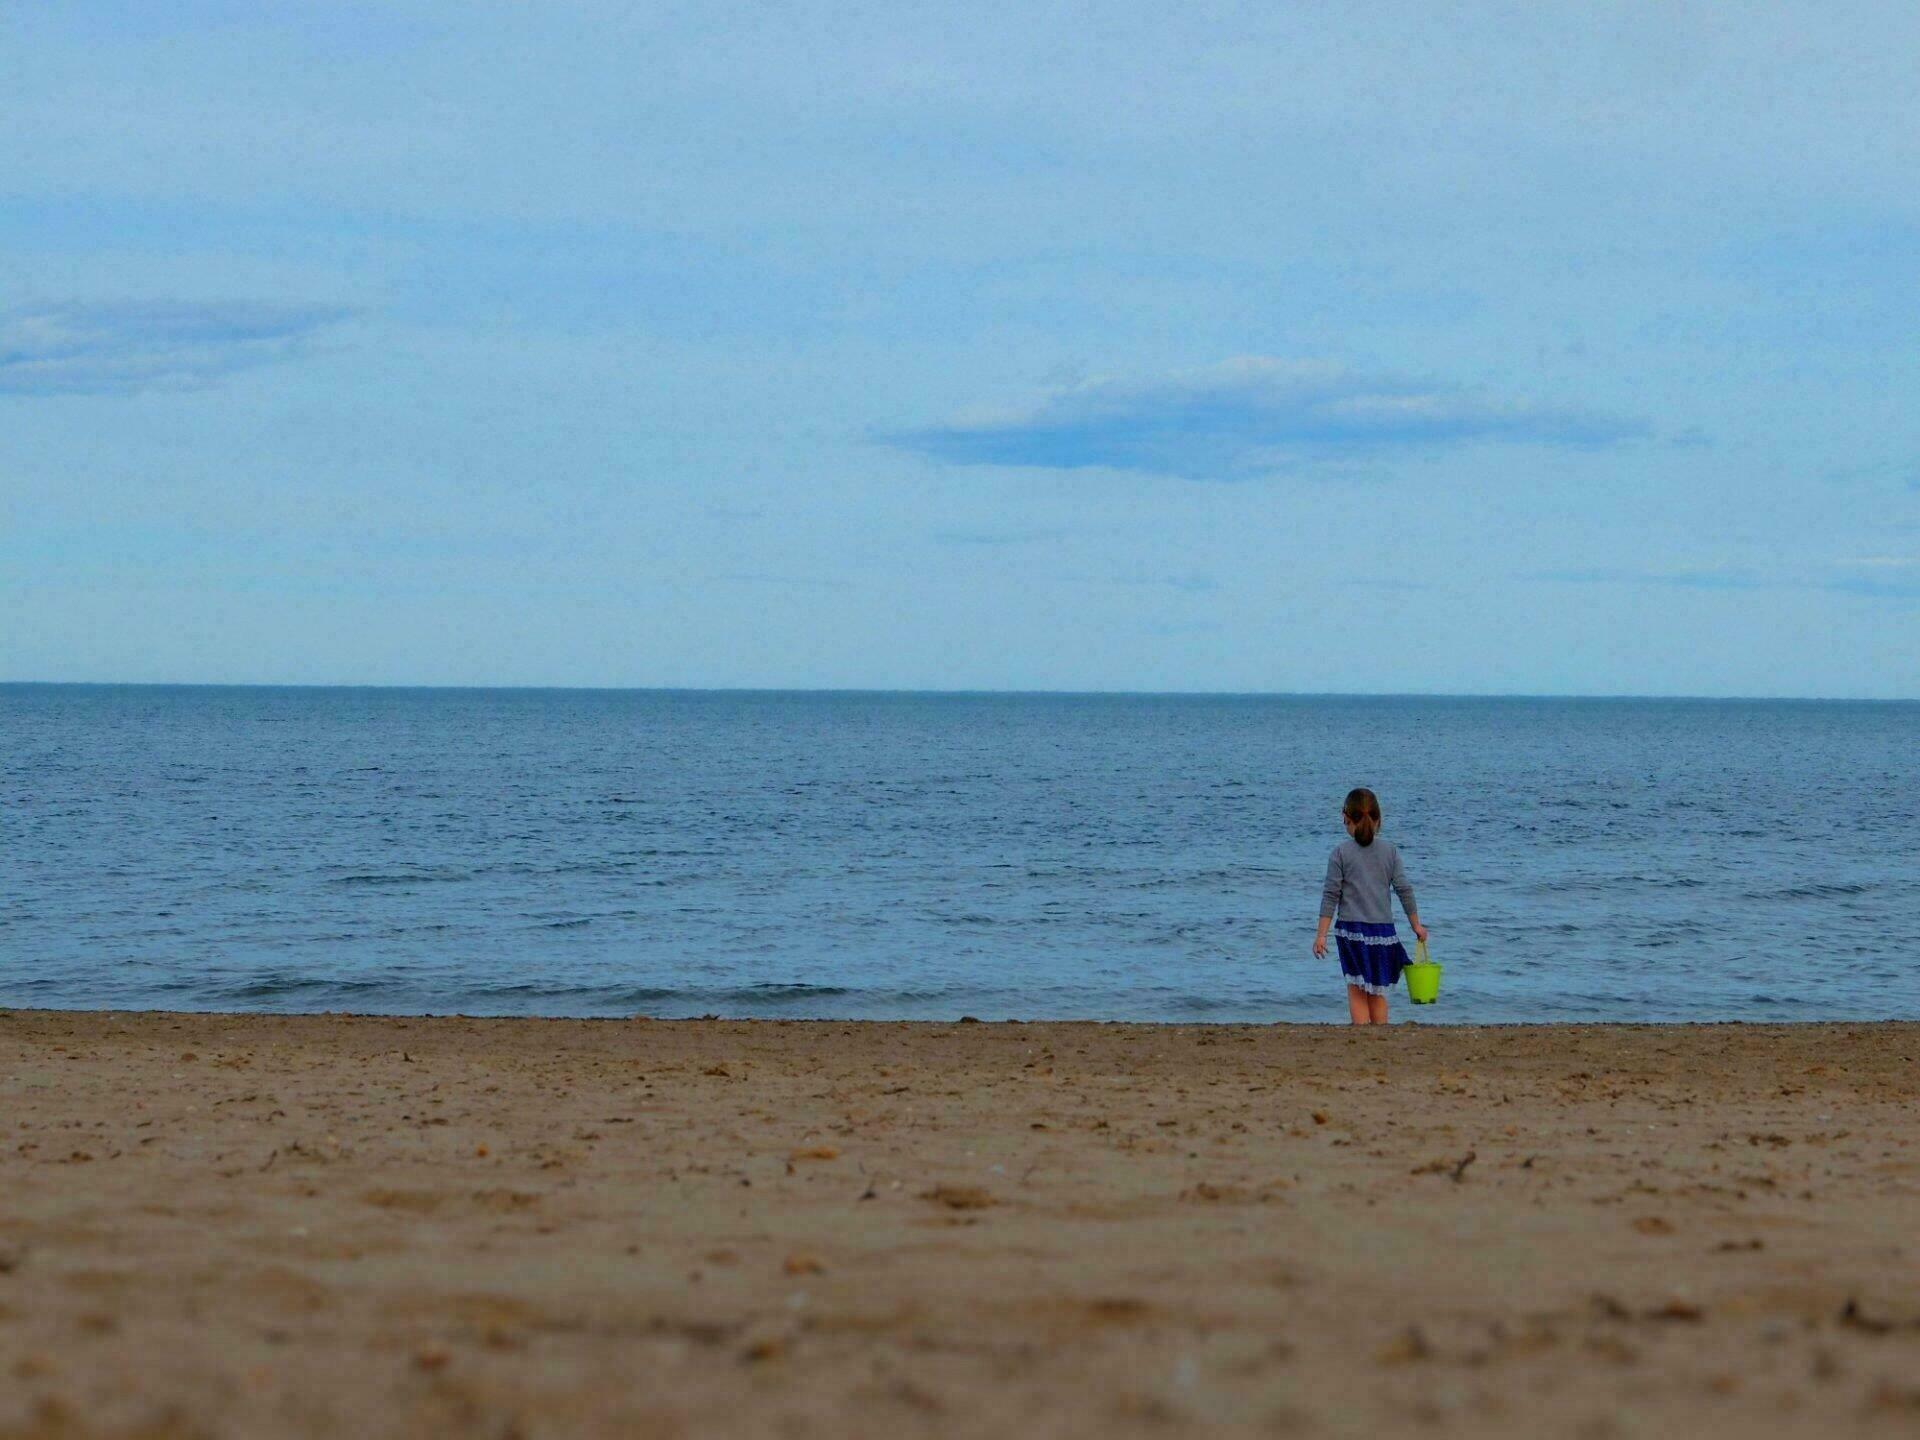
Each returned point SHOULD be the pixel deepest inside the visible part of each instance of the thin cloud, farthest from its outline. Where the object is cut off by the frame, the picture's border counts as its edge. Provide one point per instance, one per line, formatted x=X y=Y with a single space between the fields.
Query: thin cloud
x=122 y=348
x=1251 y=417
x=801 y=582
x=1868 y=587
x=1905 y=472
x=1185 y=584
x=1873 y=589
x=998 y=537
x=1704 y=578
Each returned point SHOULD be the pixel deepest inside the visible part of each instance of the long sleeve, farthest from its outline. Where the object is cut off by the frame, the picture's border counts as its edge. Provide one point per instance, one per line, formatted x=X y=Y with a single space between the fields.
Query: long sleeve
x=1401 y=886
x=1330 y=892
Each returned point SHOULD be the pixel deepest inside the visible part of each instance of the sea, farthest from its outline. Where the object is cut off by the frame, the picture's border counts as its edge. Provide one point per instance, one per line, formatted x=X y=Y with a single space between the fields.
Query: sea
x=935 y=856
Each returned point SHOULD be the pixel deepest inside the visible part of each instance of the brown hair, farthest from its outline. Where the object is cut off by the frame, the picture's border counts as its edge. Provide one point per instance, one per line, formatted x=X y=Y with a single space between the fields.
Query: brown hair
x=1362 y=807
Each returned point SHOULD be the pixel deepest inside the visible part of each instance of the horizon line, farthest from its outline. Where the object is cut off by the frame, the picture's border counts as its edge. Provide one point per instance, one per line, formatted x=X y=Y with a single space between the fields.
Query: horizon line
x=959 y=693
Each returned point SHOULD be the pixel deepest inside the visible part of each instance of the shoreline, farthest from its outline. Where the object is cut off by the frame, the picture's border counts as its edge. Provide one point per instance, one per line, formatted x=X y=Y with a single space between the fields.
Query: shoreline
x=1400 y=1018
x=240 y=1223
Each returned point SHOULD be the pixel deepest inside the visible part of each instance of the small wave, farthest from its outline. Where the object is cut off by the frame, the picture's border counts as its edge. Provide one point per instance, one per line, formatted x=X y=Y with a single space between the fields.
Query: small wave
x=579 y=922
x=620 y=868
x=776 y=1000
x=630 y=995
x=528 y=990
x=280 y=987
x=1812 y=892
x=1516 y=929
x=415 y=877
x=1606 y=884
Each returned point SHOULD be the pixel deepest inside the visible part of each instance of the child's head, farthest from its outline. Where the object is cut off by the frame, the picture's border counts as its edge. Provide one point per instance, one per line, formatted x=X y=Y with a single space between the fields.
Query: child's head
x=1362 y=814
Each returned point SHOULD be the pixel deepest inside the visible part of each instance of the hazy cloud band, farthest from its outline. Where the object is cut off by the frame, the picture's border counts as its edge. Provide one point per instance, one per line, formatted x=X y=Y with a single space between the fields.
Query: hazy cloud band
x=120 y=348
x=1249 y=417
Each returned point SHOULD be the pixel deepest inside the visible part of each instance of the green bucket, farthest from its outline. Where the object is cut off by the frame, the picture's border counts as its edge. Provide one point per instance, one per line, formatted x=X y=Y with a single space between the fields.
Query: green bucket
x=1423 y=977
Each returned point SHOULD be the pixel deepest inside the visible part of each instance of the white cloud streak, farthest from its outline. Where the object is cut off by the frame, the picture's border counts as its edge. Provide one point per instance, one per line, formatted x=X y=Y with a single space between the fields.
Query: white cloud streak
x=125 y=347
x=1251 y=416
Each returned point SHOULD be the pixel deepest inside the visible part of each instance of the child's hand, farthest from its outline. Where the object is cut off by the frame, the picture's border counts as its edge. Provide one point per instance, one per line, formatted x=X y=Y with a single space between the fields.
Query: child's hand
x=1319 y=947
x=1419 y=932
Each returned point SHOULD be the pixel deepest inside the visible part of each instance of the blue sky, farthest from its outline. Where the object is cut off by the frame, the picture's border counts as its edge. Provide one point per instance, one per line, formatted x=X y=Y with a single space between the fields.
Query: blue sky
x=1476 y=348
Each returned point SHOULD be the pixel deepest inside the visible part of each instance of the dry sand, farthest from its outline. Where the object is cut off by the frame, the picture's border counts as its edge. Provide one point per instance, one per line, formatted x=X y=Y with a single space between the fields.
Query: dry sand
x=258 y=1226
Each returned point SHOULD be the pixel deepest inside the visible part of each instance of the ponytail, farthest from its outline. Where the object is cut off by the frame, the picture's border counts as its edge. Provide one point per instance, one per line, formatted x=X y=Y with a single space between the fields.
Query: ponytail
x=1362 y=807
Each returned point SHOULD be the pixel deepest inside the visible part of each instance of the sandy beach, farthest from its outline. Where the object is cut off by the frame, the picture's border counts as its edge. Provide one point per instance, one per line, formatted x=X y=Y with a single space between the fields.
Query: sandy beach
x=243 y=1225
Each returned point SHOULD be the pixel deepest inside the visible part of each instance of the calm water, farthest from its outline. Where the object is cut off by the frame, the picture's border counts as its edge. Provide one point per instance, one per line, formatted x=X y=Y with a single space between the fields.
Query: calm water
x=605 y=853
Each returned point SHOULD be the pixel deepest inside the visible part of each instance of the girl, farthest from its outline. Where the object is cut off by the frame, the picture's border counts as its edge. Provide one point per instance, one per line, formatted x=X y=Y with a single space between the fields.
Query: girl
x=1360 y=872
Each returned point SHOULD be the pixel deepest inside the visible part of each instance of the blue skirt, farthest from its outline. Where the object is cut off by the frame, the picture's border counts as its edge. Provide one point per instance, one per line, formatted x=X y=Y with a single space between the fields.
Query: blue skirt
x=1371 y=955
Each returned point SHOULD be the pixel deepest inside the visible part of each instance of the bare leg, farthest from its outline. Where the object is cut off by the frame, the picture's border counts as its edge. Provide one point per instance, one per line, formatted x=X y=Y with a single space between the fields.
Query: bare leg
x=1358 y=1010
x=1377 y=1006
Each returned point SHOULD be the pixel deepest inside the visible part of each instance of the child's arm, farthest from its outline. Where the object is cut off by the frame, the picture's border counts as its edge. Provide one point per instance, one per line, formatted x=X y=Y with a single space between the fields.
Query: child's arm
x=1404 y=890
x=1329 y=902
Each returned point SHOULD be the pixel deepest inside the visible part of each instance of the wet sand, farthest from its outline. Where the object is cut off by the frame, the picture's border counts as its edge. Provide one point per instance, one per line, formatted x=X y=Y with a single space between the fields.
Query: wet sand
x=247 y=1226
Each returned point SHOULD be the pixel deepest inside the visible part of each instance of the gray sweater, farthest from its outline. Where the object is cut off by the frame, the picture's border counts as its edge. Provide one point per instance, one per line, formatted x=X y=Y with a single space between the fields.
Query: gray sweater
x=1358 y=878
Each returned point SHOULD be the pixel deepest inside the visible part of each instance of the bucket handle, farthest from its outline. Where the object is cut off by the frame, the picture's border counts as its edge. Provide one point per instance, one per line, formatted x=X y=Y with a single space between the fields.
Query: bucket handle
x=1420 y=953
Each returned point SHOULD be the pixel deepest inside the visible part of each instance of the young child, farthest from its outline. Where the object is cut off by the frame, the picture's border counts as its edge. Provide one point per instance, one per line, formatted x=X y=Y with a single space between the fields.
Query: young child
x=1360 y=872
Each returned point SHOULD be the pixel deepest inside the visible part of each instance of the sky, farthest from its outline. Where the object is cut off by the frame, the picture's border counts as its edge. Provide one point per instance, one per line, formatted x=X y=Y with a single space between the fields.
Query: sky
x=1477 y=348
